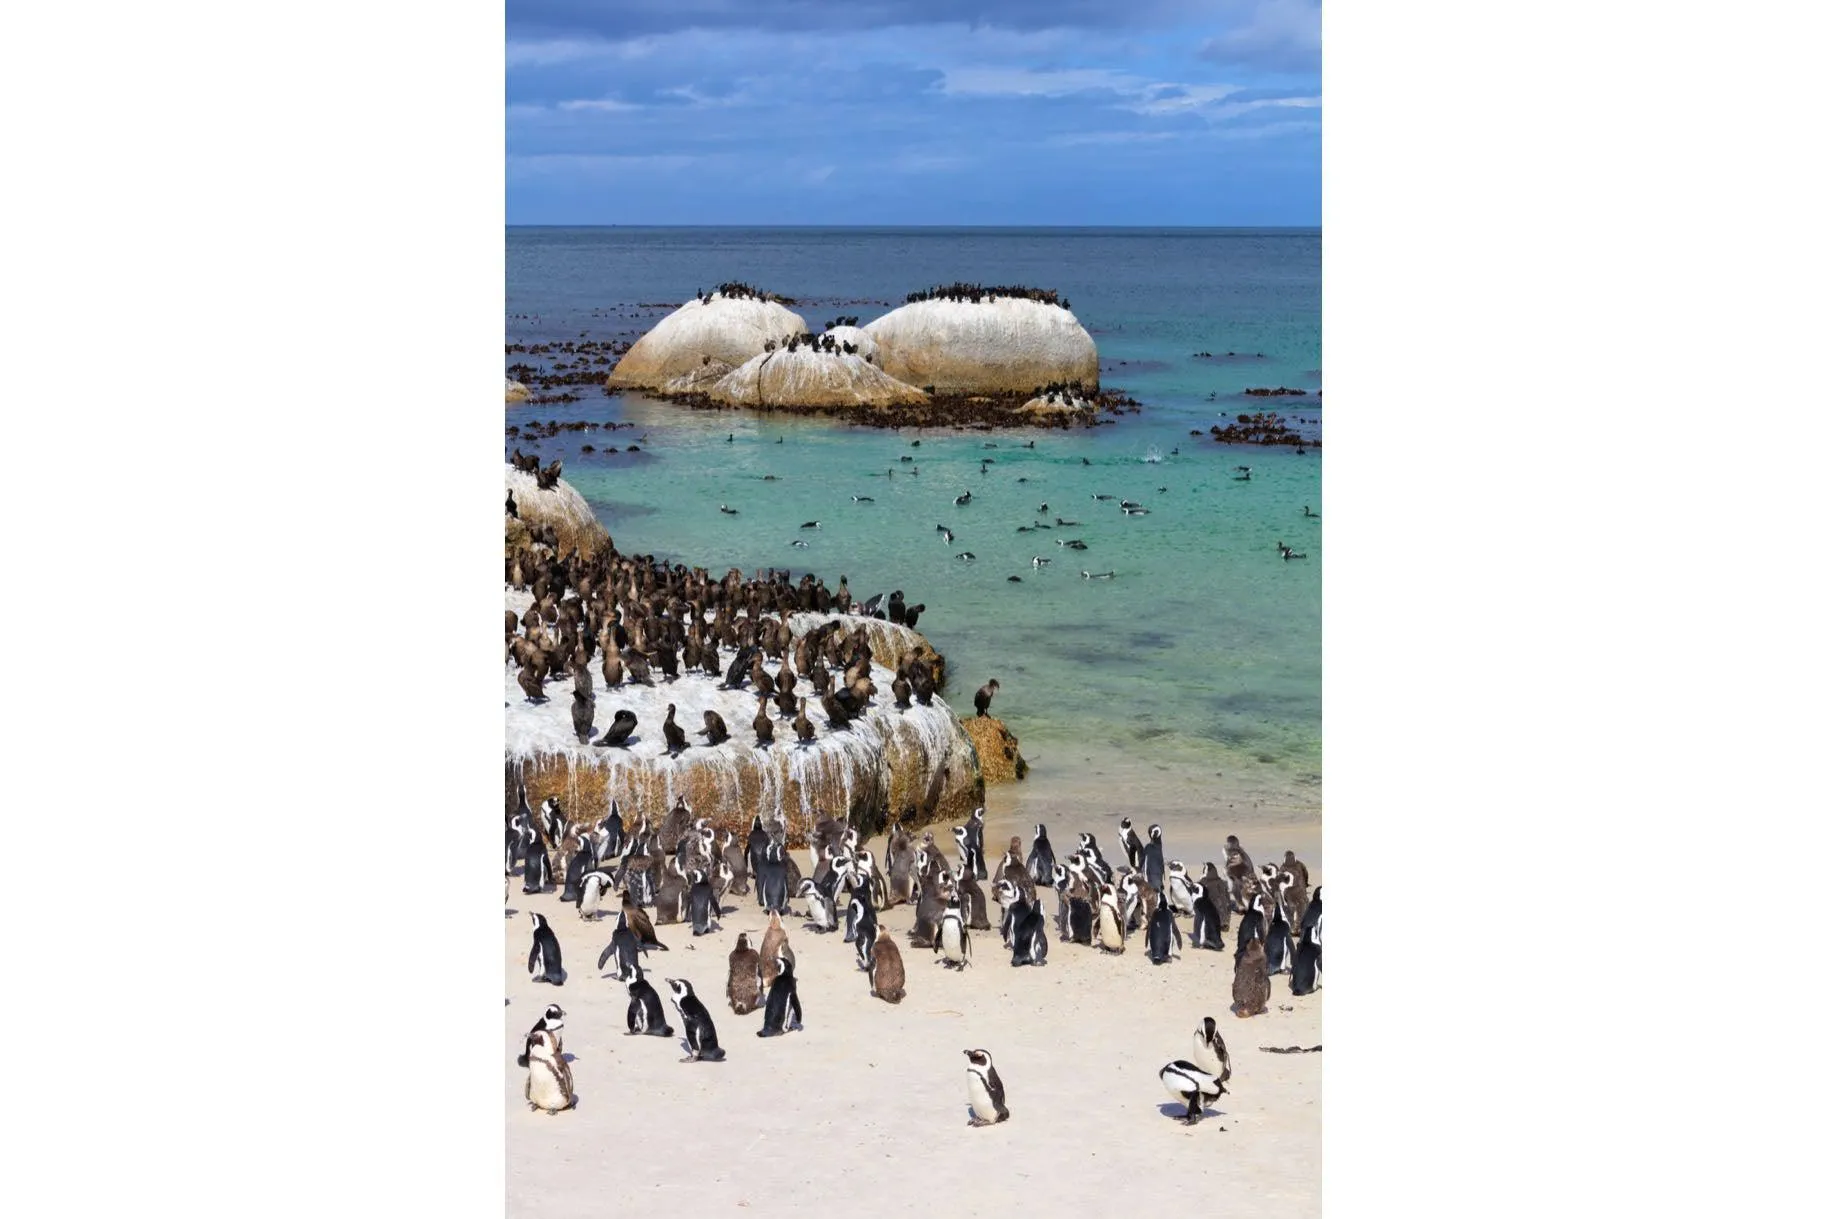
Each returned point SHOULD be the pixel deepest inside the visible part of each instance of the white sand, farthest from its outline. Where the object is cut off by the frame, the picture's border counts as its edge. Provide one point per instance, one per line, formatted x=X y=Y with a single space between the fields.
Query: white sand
x=867 y=1104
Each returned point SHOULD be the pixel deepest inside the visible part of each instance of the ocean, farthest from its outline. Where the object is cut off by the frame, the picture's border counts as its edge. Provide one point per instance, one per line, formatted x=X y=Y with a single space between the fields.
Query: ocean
x=1195 y=669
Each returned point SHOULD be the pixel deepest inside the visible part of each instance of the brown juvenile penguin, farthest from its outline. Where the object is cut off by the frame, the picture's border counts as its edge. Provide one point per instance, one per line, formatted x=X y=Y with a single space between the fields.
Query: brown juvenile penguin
x=745 y=986
x=1250 y=982
x=774 y=944
x=888 y=980
x=640 y=924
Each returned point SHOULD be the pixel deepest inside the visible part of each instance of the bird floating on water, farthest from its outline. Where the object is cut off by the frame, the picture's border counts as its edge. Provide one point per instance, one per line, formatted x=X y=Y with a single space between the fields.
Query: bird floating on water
x=726 y=509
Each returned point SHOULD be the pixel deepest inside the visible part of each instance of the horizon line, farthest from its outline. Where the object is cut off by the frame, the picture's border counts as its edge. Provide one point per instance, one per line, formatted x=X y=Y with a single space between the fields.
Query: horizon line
x=1192 y=228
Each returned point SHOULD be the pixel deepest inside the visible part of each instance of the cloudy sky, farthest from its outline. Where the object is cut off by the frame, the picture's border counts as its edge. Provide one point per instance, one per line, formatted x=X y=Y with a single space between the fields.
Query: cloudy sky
x=913 y=112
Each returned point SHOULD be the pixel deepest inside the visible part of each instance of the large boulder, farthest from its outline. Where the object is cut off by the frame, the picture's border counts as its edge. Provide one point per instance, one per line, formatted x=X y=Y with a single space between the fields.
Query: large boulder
x=805 y=377
x=1009 y=345
x=857 y=337
x=890 y=642
x=726 y=328
x=699 y=380
x=916 y=764
x=561 y=507
x=517 y=392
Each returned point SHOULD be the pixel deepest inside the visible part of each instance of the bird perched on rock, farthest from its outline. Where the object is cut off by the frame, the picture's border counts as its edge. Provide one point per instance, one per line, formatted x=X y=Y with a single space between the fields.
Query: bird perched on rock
x=715 y=731
x=985 y=693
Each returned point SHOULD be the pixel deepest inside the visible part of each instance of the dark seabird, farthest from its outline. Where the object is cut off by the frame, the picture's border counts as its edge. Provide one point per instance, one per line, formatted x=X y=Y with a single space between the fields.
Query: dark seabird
x=810 y=525
x=726 y=509
x=618 y=732
x=714 y=729
x=675 y=735
x=583 y=713
x=985 y=693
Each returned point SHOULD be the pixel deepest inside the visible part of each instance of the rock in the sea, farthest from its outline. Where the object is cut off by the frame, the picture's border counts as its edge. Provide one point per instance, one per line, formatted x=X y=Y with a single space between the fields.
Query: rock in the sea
x=1005 y=346
x=730 y=329
x=857 y=337
x=1063 y=405
x=999 y=754
x=561 y=507
x=699 y=379
x=812 y=378
x=518 y=392
x=917 y=764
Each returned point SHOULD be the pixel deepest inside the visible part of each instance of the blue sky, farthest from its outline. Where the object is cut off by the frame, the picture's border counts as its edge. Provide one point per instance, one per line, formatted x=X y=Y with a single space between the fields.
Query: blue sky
x=903 y=112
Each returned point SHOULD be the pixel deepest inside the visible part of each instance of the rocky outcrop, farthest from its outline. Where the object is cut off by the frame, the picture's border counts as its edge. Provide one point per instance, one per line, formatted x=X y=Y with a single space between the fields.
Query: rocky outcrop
x=517 y=392
x=999 y=753
x=890 y=642
x=857 y=337
x=1008 y=345
x=729 y=329
x=561 y=507
x=917 y=764
x=808 y=378
x=698 y=380
x=1057 y=406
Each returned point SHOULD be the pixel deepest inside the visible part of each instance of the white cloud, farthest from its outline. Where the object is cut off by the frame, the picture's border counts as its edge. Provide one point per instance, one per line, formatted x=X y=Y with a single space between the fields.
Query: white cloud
x=599 y=103
x=1028 y=82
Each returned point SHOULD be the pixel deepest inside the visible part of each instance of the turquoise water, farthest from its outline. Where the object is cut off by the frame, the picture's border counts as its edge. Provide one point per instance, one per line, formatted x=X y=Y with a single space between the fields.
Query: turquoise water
x=1202 y=654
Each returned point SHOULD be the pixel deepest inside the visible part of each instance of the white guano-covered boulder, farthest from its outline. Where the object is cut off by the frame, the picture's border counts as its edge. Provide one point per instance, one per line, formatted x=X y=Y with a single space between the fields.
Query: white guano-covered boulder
x=699 y=380
x=812 y=378
x=561 y=506
x=857 y=337
x=517 y=392
x=730 y=329
x=1008 y=345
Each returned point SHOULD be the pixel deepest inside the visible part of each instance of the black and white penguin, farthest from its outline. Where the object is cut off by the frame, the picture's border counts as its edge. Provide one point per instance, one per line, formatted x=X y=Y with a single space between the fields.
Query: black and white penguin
x=1209 y=1052
x=590 y=894
x=952 y=944
x=974 y=834
x=781 y=1014
x=863 y=931
x=548 y=1075
x=771 y=880
x=821 y=914
x=984 y=1090
x=1109 y=934
x=1191 y=1086
x=860 y=909
x=1094 y=858
x=1278 y=944
x=537 y=875
x=1154 y=866
x=1311 y=916
x=700 y=1034
x=1304 y=976
x=645 y=1015
x=1132 y=845
x=553 y=1022
x=1205 y=920
x=1164 y=935
x=1177 y=890
x=624 y=949
x=1253 y=926
x=1028 y=927
x=701 y=902
x=543 y=964
x=1041 y=856
x=582 y=860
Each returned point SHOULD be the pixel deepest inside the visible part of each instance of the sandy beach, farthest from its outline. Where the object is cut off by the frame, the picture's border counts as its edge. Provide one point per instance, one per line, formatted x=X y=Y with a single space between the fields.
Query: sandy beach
x=868 y=1102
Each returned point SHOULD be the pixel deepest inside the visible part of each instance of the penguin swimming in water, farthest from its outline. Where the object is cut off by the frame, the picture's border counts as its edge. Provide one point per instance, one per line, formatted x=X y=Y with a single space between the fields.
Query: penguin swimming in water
x=552 y=1022
x=700 y=1033
x=952 y=943
x=888 y=978
x=1164 y=935
x=645 y=1015
x=984 y=1090
x=543 y=964
x=1209 y=1052
x=1205 y=920
x=1304 y=975
x=782 y=1012
x=1250 y=982
x=1190 y=1085
x=548 y=1075
x=744 y=989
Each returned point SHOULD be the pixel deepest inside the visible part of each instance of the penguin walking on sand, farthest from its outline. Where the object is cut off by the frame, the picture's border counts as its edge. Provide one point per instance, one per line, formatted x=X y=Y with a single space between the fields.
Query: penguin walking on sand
x=1132 y=845
x=1209 y=1052
x=552 y=1021
x=1304 y=975
x=953 y=942
x=888 y=979
x=543 y=964
x=744 y=989
x=782 y=1013
x=1250 y=982
x=1164 y=935
x=1191 y=1086
x=984 y=1090
x=700 y=1034
x=548 y=1075
x=645 y=1015
x=623 y=948
x=1205 y=920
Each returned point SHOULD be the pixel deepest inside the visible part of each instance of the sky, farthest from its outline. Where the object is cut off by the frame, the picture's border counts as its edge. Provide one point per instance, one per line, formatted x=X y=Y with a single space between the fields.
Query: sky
x=910 y=112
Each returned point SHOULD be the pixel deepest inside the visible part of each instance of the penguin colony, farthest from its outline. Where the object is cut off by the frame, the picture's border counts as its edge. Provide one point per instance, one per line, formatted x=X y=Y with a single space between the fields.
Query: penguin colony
x=682 y=870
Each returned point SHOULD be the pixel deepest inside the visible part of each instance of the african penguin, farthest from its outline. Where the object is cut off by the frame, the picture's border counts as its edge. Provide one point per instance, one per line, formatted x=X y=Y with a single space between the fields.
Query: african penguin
x=984 y=1090
x=1041 y=856
x=952 y=944
x=1209 y=1052
x=1190 y=1085
x=1304 y=976
x=1164 y=935
x=543 y=964
x=1205 y=920
x=1132 y=845
x=624 y=948
x=1278 y=945
x=974 y=830
x=744 y=989
x=1028 y=927
x=782 y=1013
x=700 y=1034
x=548 y=1075
x=645 y=1015
x=1109 y=933
x=701 y=901
x=821 y=915
x=888 y=980
x=1250 y=982
x=552 y=1021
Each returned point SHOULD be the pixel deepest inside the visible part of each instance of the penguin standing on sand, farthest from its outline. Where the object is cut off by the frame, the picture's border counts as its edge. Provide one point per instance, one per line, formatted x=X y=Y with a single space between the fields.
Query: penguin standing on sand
x=744 y=990
x=548 y=1075
x=1304 y=976
x=1188 y=1084
x=645 y=1015
x=821 y=914
x=1278 y=944
x=701 y=901
x=623 y=948
x=1209 y=1052
x=1028 y=927
x=590 y=894
x=1132 y=845
x=1154 y=867
x=1205 y=920
x=1252 y=927
x=861 y=908
x=984 y=1090
x=543 y=964
x=552 y=1021
x=582 y=860
x=953 y=942
x=1109 y=933
x=974 y=834
x=700 y=1034
x=771 y=881
x=1250 y=982
x=864 y=932
x=971 y=900
x=1178 y=890
x=888 y=979
x=536 y=877
x=782 y=1014
x=1164 y=935
x=1041 y=856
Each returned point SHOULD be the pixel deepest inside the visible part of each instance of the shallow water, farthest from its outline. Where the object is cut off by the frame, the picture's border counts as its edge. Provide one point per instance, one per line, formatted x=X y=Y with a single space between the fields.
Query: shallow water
x=1195 y=668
